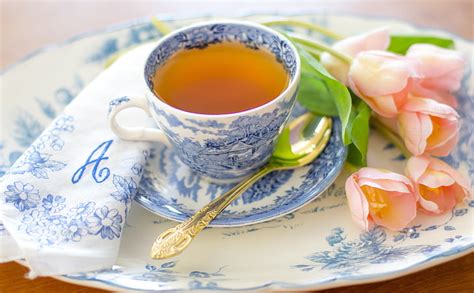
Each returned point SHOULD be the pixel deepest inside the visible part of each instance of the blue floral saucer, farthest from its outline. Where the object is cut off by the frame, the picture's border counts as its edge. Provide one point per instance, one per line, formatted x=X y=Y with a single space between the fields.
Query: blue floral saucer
x=172 y=190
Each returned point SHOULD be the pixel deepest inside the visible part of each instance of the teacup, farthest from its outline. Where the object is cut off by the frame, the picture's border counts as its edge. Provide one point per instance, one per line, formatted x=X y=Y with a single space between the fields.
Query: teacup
x=221 y=147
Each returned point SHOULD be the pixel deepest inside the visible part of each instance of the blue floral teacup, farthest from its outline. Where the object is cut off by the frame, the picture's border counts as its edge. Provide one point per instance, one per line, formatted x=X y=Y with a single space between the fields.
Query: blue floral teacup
x=224 y=147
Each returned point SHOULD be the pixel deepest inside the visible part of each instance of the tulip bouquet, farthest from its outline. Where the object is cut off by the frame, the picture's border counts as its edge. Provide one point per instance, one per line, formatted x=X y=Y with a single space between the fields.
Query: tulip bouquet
x=403 y=87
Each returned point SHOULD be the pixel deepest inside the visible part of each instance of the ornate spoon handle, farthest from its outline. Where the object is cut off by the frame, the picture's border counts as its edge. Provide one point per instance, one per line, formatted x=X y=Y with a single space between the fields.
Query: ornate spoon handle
x=174 y=240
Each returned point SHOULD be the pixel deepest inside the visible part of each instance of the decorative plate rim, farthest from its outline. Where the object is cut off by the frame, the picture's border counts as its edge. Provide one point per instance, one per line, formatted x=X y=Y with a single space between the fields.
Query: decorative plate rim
x=454 y=253
x=450 y=254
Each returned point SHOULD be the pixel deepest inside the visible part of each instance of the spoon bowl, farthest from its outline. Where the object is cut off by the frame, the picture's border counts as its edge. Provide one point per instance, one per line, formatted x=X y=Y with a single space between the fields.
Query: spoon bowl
x=308 y=135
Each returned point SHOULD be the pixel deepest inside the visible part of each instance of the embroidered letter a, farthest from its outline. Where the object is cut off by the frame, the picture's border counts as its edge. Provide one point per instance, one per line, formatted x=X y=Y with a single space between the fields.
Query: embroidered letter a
x=95 y=160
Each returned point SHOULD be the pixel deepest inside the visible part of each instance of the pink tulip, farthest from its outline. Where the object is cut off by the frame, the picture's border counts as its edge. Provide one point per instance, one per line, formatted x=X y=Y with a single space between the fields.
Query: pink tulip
x=438 y=186
x=378 y=39
x=427 y=126
x=380 y=197
x=441 y=70
x=383 y=80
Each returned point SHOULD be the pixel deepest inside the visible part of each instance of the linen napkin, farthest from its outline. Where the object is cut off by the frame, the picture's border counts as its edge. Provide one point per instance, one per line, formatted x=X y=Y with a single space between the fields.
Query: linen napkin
x=65 y=201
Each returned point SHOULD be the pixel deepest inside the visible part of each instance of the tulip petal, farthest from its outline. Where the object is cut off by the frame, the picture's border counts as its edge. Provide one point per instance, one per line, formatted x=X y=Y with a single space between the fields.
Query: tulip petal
x=388 y=185
x=415 y=128
x=400 y=210
x=378 y=39
x=390 y=71
x=420 y=89
x=428 y=207
x=383 y=80
x=443 y=130
x=373 y=197
x=442 y=68
x=442 y=197
x=416 y=166
x=373 y=173
x=438 y=165
x=444 y=149
x=430 y=107
x=459 y=192
x=434 y=179
x=337 y=68
x=439 y=119
x=384 y=105
x=358 y=204
x=438 y=185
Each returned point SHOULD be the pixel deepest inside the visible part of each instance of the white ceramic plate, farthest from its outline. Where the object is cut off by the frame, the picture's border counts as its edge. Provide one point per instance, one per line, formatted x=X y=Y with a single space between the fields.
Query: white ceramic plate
x=316 y=247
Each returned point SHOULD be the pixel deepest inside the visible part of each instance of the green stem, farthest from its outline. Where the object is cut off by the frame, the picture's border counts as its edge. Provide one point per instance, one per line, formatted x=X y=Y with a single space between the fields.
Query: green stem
x=351 y=168
x=312 y=51
x=320 y=46
x=160 y=26
x=390 y=135
x=307 y=25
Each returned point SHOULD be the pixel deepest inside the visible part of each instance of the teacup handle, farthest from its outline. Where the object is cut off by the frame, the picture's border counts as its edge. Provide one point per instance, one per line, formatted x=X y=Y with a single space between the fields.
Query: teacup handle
x=133 y=133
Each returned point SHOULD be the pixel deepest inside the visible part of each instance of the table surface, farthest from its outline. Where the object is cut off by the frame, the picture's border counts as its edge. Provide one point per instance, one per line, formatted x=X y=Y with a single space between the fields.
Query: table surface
x=28 y=25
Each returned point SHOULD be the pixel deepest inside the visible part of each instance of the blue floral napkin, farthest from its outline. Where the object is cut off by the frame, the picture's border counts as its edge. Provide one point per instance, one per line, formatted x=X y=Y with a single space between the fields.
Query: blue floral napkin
x=65 y=201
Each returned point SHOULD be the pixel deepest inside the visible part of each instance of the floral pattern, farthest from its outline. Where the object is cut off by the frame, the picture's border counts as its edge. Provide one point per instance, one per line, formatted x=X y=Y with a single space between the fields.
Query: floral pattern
x=197 y=127
x=23 y=196
x=47 y=220
x=37 y=163
x=248 y=141
x=125 y=188
x=352 y=256
x=105 y=222
x=415 y=231
x=36 y=160
x=27 y=129
x=136 y=35
x=47 y=108
x=53 y=203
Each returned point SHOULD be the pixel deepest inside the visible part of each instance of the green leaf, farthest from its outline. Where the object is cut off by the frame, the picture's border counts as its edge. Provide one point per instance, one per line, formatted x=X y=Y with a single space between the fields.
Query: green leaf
x=313 y=95
x=319 y=88
x=354 y=157
x=359 y=131
x=400 y=44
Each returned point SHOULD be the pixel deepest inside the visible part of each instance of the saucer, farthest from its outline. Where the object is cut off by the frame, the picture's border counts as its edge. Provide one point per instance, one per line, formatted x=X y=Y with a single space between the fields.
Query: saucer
x=172 y=190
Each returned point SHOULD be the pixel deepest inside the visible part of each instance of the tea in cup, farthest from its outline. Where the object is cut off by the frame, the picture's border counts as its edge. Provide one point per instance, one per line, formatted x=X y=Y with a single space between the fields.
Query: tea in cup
x=220 y=93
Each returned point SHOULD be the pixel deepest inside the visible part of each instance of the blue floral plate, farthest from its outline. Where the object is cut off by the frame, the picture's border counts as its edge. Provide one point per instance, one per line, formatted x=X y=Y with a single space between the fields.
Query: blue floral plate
x=316 y=247
x=170 y=189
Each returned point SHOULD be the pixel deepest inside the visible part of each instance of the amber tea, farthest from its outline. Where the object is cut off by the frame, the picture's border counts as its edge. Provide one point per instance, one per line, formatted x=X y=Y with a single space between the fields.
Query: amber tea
x=220 y=79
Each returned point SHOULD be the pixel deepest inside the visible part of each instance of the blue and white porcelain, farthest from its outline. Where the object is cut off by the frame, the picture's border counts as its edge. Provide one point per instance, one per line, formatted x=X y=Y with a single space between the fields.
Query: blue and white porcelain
x=224 y=147
x=316 y=247
x=172 y=190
